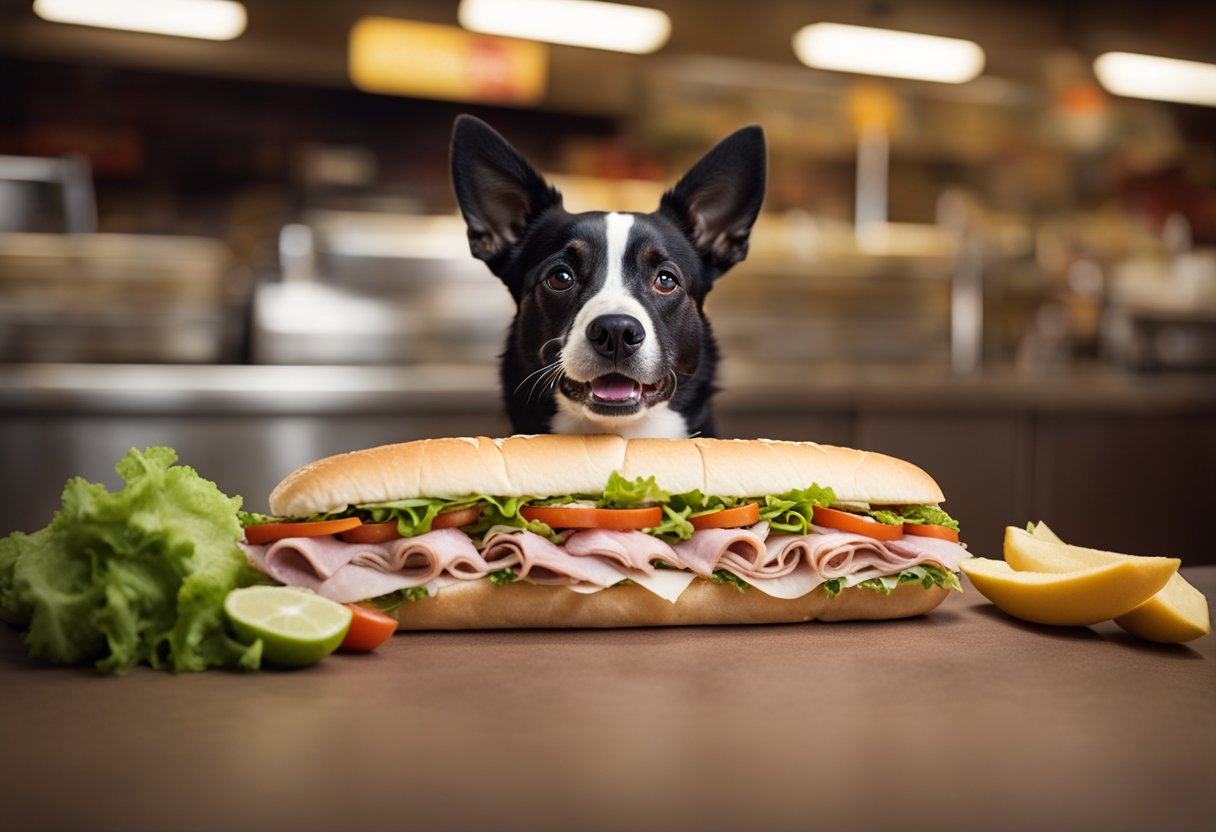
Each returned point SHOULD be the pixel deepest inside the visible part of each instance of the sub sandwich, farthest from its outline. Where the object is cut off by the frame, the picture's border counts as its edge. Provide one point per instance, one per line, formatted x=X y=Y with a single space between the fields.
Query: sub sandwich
x=600 y=531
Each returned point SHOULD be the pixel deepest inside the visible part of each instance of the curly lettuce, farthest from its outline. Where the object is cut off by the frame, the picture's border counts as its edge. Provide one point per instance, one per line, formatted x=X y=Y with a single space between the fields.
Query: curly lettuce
x=915 y=515
x=925 y=574
x=133 y=576
x=789 y=512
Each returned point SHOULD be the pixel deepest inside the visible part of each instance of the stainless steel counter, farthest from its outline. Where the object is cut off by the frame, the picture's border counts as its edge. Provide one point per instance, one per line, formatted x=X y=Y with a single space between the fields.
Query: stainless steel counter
x=184 y=389
x=1080 y=449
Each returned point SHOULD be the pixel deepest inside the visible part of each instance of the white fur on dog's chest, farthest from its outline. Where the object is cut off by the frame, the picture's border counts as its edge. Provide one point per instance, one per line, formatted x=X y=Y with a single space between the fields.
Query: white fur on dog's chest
x=659 y=422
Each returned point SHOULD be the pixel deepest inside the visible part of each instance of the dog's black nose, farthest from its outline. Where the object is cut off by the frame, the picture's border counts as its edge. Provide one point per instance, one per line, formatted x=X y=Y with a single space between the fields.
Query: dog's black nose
x=616 y=336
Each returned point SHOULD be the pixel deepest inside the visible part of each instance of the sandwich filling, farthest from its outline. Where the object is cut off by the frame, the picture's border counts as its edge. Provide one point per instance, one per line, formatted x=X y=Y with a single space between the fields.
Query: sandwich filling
x=783 y=553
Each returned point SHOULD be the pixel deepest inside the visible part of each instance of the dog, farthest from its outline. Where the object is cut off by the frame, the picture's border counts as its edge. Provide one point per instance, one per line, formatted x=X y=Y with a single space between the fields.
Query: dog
x=610 y=334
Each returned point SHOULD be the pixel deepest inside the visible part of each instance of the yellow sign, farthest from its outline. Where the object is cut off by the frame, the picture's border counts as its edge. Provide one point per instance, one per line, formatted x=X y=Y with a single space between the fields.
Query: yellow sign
x=429 y=60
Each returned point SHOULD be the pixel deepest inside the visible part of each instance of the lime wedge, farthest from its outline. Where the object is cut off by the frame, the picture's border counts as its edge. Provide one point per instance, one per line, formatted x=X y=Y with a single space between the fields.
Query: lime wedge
x=297 y=627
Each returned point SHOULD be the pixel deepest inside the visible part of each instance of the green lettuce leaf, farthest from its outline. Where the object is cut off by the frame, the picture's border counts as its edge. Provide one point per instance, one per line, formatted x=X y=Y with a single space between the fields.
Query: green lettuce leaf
x=133 y=576
x=791 y=512
x=925 y=574
x=931 y=515
x=788 y=512
x=503 y=577
x=621 y=493
x=675 y=525
x=721 y=576
x=392 y=601
x=415 y=516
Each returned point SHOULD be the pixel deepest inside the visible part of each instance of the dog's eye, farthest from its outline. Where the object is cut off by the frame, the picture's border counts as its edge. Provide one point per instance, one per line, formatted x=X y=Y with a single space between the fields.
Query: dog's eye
x=559 y=280
x=665 y=282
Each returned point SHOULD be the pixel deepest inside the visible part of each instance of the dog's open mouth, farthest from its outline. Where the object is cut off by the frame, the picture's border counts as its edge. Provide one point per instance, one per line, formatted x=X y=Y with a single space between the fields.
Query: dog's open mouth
x=615 y=394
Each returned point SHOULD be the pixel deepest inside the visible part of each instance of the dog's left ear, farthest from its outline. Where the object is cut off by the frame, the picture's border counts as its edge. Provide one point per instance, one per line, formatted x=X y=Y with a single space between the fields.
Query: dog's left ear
x=498 y=191
x=717 y=202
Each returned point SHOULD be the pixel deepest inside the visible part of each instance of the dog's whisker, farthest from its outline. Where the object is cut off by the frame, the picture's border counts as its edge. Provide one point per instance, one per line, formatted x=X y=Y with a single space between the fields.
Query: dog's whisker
x=547 y=380
x=539 y=372
x=537 y=385
x=553 y=378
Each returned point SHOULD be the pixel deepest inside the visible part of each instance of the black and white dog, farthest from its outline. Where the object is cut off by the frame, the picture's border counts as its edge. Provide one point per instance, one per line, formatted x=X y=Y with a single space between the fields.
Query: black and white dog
x=609 y=334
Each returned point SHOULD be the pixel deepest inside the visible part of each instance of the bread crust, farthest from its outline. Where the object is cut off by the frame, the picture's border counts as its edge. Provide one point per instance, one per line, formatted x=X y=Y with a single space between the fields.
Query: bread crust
x=555 y=465
x=480 y=605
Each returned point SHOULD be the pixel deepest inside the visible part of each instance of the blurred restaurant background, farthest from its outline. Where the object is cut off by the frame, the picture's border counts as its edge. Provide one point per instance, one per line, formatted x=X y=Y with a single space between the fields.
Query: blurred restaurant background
x=233 y=232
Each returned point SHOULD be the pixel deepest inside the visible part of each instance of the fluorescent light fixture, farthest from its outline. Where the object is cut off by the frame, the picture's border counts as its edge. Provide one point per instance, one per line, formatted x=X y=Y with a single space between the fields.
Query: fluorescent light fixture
x=1159 y=79
x=612 y=26
x=870 y=51
x=206 y=19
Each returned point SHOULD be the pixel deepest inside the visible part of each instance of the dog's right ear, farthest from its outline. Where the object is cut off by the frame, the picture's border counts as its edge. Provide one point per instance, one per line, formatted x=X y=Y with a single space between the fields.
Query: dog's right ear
x=717 y=202
x=498 y=191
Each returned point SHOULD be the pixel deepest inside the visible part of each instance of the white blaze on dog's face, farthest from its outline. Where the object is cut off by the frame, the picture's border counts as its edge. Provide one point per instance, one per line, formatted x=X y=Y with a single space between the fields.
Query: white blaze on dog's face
x=625 y=300
x=611 y=357
x=610 y=333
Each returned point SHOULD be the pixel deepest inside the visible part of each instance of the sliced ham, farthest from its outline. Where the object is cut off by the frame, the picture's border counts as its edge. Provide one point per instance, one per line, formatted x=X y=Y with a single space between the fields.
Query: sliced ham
x=632 y=550
x=358 y=583
x=300 y=561
x=544 y=562
x=920 y=549
x=742 y=549
x=837 y=554
x=428 y=555
x=781 y=565
x=352 y=572
x=793 y=584
x=841 y=554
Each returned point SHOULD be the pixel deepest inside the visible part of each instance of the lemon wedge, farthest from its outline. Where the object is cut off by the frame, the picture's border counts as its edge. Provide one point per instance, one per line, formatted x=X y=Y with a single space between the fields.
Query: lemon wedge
x=1077 y=598
x=1177 y=613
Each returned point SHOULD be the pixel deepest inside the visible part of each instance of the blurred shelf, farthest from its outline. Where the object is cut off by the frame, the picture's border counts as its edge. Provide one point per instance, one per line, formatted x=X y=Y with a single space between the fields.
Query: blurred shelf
x=813 y=389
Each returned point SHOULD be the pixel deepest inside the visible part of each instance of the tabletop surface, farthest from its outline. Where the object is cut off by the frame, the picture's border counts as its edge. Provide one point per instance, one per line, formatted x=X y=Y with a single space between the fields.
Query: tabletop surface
x=962 y=719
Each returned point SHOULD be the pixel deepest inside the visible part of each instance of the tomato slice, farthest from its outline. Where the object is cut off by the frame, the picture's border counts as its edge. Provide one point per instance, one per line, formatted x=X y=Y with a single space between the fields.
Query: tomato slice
x=386 y=531
x=372 y=533
x=577 y=517
x=257 y=535
x=456 y=519
x=728 y=518
x=368 y=628
x=855 y=523
x=930 y=530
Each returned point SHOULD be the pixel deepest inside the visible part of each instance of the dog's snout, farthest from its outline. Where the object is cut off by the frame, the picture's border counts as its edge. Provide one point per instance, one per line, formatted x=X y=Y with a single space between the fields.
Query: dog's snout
x=616 y=336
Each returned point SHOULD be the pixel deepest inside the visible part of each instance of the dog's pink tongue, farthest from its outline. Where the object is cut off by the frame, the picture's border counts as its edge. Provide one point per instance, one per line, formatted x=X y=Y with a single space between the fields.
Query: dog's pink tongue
x=613 y=387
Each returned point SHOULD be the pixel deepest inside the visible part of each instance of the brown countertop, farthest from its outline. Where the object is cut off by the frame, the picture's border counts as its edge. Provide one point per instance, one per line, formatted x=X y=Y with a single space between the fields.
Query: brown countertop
x=963 y=719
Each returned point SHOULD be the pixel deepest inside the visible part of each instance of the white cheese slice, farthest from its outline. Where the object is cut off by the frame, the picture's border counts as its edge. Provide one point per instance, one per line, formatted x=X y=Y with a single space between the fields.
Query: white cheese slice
x=668 y=584
x=794 y=585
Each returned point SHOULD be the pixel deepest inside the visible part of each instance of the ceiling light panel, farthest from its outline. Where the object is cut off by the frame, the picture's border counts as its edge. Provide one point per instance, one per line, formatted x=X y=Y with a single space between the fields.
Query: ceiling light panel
x=869 y=51
x=611 y=26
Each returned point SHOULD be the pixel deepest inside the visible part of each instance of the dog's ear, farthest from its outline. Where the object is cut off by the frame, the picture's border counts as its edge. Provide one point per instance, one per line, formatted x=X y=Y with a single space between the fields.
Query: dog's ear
x=498 y=191
x=717 y=202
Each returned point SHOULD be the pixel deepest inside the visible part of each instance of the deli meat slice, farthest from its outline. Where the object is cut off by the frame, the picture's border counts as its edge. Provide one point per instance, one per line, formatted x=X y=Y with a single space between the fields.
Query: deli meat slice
x=789 y=571
x=427 y=556
x=840 y=554
x=632 y=550
x=344 y=571
x=543 y=562
x=837 y=554
x=920 y=549
x=300 y=561
x=358 y=583
x=740 y=550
